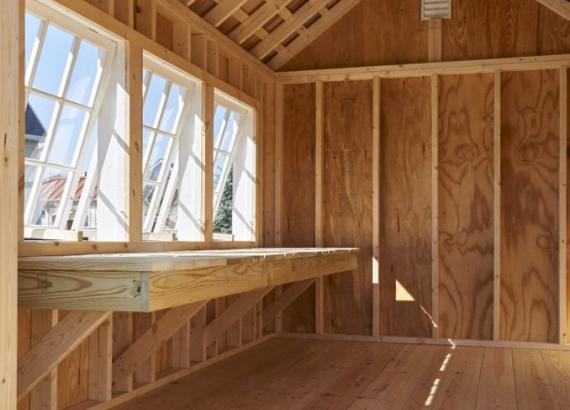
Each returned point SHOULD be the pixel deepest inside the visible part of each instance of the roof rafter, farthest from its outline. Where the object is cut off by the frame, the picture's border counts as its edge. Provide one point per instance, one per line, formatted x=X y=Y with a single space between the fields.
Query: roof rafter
x=223 y=10
x=307 y=35
x=256 y=21
x=287 y=28
x=560 y=7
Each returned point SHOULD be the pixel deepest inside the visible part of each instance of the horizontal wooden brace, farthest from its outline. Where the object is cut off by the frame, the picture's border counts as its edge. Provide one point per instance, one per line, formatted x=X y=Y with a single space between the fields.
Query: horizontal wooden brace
x=426 y=69
x=55 y=346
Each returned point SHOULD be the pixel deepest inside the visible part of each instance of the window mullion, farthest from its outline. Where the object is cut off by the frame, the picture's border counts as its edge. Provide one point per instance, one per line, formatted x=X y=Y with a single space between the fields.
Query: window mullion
x=99 y=90
x=159 y=190
x=67 y=197
x=168 y=195
x=172 y=183
x=34 y=56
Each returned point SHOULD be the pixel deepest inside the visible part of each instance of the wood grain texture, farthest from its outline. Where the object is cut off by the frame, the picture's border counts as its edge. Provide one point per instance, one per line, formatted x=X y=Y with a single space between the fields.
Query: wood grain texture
x=529 y=206
x=73 y=371
x=298 y=216
x=367 y=36
x=347 y=202
x=503 y=28
x=465 y=188
x=405 y=208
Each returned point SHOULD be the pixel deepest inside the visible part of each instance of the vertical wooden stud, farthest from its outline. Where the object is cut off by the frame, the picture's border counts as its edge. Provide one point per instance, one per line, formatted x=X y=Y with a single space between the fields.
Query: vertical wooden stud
x=279 y=96
x=44 y=395
x=145 y=19
x=376 y=206
x=122 y=338
x=182 y=40
x=562 y=192
x=124 y=11
x=198 y=49
x=11 y=132
x=497 y=210
x=435 y=202
x=434 y=40
x=197 y=345
x=319 y=231
x=180 y=356
x=146 y=373
x=208 y=107
x=134 y=85
x=101 y=362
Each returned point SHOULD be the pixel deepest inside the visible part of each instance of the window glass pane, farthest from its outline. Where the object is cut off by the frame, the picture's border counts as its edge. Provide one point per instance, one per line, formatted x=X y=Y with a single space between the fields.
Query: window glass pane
x=148 y=192
x=85 y=72
x=32 y=28
x=39 y=115
x=154 y=96
x=157 y=157
x=54 y=57
x=50 y=195
x=219 y=124
x=67 y=135
x=173 y=109
x=29 y=176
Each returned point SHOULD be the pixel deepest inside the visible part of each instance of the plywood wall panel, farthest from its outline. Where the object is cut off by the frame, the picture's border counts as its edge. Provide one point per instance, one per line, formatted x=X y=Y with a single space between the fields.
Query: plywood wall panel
x=405 y=208
x=465 y=192
x=529 y=206
x=347 y=203
x=298 y=191
x=503 y=28
x=374 y=32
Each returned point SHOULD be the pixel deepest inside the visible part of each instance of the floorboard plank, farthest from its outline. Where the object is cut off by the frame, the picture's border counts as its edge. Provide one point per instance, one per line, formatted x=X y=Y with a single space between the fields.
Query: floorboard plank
x=497 y=382
x=533 y=387
x=459 y=385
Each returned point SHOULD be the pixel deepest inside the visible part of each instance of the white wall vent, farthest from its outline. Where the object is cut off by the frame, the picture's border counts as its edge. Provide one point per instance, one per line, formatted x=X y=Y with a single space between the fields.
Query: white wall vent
x=436 y=9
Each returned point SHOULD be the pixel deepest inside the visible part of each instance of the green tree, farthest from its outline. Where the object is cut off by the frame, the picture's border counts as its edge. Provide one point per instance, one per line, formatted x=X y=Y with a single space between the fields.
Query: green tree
x=223 y=219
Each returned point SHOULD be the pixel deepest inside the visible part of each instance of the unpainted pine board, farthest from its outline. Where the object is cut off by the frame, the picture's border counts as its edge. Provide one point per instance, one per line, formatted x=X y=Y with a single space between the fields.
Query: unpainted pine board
x=347 y=202
x=465 y=189
x=123 y=334
x=533 y=387
x=553 y=34
x=366 y=37
x=24 y=344
x=460 y=381
x=529 y=206
x=405 y=208
x=72 y=375
x=558 y=369
x=407 y=381
x=298 y=173
x=497 y=381
x=163 y=354
x=269 y=162
x=147 y=371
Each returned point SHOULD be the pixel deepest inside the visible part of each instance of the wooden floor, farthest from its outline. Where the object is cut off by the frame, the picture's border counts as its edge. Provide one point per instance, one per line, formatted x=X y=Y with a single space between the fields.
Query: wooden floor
x=309 y=374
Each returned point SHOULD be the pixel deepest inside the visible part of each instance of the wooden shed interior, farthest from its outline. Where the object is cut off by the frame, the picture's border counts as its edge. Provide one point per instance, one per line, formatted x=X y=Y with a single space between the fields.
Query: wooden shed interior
x=284 y=204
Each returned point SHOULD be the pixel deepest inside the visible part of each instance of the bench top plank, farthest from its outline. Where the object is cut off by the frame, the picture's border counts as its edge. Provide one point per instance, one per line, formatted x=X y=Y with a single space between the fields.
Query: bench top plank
x=145 y=282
